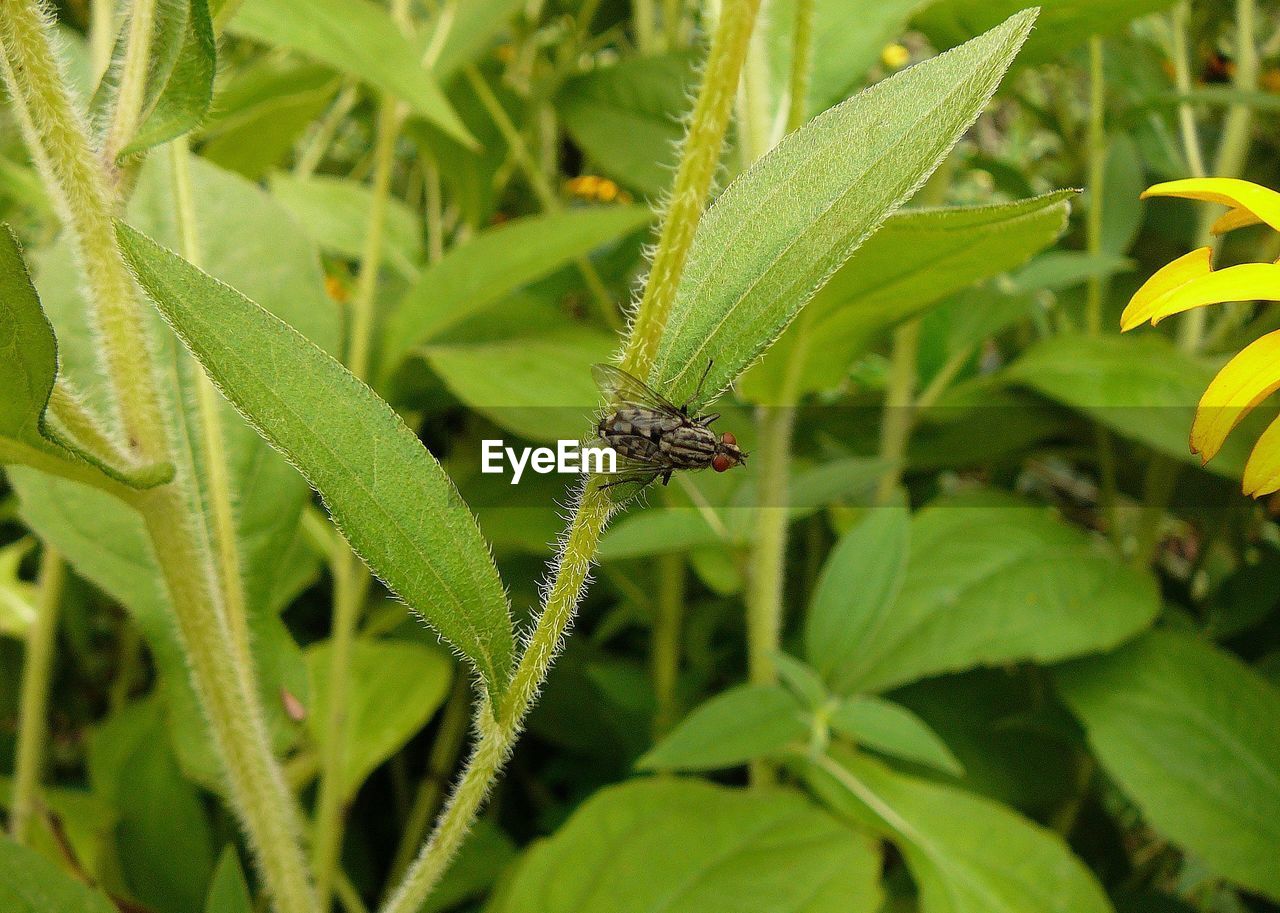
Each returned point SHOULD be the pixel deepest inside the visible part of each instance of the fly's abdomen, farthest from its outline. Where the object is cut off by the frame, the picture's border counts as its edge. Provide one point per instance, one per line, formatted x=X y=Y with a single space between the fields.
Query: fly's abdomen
x=689 y=447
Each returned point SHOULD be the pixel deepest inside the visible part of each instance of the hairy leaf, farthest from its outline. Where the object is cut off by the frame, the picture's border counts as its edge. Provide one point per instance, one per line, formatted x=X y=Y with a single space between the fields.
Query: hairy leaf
x=387 y=494
x=786 y=224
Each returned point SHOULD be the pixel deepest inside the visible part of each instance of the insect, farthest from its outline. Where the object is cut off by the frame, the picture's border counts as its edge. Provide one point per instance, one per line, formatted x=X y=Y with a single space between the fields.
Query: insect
x=653 y=437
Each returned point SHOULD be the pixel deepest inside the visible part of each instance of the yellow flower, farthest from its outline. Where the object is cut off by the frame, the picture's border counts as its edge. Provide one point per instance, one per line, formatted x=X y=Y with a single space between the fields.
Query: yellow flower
x=895 y=56
x=1192 y=282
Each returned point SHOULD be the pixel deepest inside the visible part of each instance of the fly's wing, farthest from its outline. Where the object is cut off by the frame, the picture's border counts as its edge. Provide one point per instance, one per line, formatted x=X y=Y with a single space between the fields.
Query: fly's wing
x=623 y=389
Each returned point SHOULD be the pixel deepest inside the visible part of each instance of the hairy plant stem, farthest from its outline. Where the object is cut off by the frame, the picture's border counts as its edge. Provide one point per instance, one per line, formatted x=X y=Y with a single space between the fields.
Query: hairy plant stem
x=131 y=94
x=698 y=163
x=33 y=707
x=541 y=187
x=58 y=142
x=444 y=754
x=1097 y=157
x=497 y=734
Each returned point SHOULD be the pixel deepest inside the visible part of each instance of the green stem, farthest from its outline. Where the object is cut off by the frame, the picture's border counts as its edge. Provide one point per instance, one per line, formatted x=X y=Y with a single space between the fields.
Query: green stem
x=58 y=141
x=322 y=138
x=59 y=144
x=257 y=788
x=1097 y=141
x=801 y=64
x=899 y=408
x=102 y=35
x=444 y=755
x=644 y=14
x=34 y=702
x=497 y=735
x=226 y=542
x=1232 y=153
x=351 y=582
x=351 y=578
x=541 y=187
x=667 y=625
x=132 y=90
x=698 y=163
x=1180 y=17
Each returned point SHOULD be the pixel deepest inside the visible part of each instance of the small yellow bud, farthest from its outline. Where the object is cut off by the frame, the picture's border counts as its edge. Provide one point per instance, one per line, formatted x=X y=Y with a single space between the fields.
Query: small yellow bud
x=895 y=56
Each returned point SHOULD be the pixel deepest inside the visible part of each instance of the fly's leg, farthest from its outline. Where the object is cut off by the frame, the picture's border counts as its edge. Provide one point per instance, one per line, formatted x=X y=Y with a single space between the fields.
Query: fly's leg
x=697 y=394
x=666 y=476
x=638 y=478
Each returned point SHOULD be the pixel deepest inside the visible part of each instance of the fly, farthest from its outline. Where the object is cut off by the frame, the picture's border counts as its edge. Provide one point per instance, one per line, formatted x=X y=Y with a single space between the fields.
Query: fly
x=653 y=437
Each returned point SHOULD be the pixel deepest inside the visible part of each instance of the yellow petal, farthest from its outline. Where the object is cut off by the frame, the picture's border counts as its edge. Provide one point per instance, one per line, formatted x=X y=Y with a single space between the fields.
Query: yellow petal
x=1262 y=472
x=1169 y=277
x=1233 y=219
x=1246 y=282
x=1262 y=202
x=1246 y=381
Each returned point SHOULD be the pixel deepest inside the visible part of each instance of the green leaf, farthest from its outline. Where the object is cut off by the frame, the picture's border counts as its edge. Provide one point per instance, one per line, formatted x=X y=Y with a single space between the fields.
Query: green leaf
x=684 y=846
x=626 y=117
x=281 y=269
x=1191 y=735
x=386 y=493
x=991 y=580
x=917 y=259
x=476 y=275
x=335 y=212
x=856 y=592
x=30 y=883
x=1063 y=269
x=180 y=72
x=658 y=532
x=163 y=839
x=1139 y=385
x=470 y=29
x=966 y=854
x=1064 y=25
x=228 y=892
x=77 y=818
x=847 y=41
x=1124 y=179
x=802 y=680
x=28 y=371
x=894 y=730
x=538 y=386
x=784 y=225
x=356 y=37
x=262 y=110
x=396 y=687
x=734 y=727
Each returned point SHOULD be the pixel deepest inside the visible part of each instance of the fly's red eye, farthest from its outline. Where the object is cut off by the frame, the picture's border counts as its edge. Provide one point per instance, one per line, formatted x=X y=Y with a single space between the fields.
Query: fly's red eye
x=722 y=462
x=729 y=439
